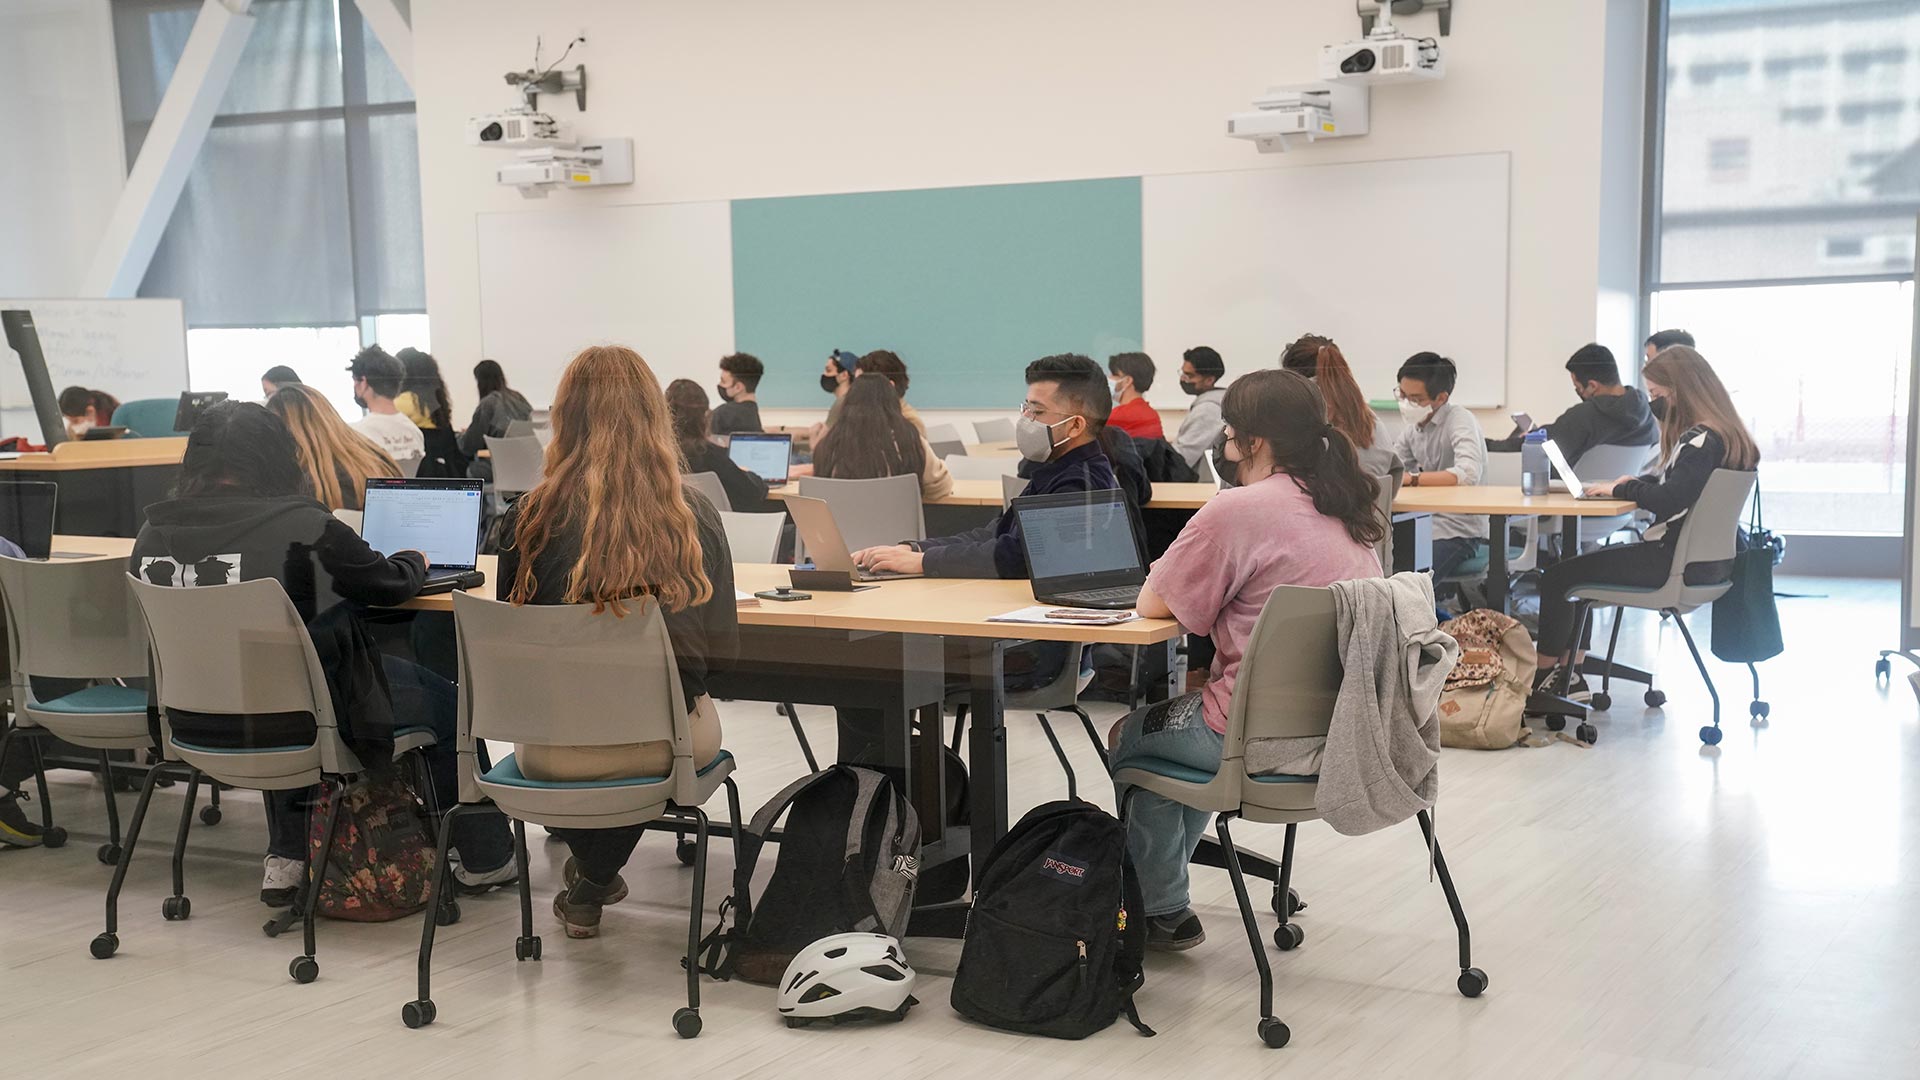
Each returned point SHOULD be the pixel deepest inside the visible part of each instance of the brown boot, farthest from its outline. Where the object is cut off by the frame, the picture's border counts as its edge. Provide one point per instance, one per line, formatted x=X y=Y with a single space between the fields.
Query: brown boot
x=578 y=906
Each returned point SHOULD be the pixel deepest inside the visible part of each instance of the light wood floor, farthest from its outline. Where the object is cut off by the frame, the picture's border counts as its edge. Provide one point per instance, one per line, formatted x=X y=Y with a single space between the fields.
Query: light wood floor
x=1643 y=909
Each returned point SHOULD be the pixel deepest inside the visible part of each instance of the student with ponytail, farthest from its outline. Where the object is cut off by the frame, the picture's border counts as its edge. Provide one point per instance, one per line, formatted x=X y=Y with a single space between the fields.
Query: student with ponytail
x=1319 y=359
x=1303 y=515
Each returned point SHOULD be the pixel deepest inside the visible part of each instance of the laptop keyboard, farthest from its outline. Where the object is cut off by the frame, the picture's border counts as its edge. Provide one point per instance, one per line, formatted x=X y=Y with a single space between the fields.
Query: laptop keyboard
x=1129 y=593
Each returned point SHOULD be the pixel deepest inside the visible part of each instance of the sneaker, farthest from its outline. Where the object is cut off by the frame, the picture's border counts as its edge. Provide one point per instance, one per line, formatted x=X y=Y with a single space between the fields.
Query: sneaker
x=15 y=829
x=1578 y=690
x=615 y=892
x=578 y=906
x=280 y=881
x=479 y=881
x=1176 y=932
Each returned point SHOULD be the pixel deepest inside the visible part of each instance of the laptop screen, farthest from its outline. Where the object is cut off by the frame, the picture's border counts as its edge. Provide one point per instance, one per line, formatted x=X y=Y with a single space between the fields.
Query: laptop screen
x=438 y=518
x=1078 y=535
x=26 y=517
x=1561 y=466
x=765 y=456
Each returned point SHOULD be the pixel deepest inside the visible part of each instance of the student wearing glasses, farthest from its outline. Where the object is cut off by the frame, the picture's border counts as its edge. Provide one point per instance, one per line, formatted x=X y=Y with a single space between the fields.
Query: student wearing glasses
x=1441 y=446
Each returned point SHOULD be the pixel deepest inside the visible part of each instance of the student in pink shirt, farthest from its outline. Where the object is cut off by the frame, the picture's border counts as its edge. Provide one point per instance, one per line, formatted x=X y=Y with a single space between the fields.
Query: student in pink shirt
x=1303 y=515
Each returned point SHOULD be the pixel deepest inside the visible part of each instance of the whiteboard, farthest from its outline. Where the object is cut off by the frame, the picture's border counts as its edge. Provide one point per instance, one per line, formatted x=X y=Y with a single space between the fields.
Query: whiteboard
x=131 y=349
x=658 y=279
x=1388 y=258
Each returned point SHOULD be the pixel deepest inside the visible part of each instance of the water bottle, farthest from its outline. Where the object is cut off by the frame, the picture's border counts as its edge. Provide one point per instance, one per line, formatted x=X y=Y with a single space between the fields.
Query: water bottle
x=1535 y=471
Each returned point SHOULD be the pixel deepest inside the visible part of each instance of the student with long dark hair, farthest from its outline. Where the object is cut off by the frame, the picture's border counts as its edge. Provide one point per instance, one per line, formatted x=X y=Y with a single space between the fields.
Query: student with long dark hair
x=86 y=409
x=499 y=406
x=1303 y=515
x=874 y=438
x=424 y=400
x=244 y=511
x=687 y=405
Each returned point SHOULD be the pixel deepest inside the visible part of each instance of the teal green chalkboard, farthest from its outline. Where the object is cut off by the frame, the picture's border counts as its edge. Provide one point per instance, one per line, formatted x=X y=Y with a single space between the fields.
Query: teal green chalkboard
x=966 y=284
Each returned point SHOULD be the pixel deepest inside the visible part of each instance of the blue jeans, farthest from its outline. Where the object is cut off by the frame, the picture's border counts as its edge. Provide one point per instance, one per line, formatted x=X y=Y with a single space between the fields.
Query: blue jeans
x=1161 y=833
x=1450 y=552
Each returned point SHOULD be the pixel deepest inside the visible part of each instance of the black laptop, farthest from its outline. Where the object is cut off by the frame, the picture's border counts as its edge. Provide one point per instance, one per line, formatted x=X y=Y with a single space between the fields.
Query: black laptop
x=1083 y=548
x=765 y=456
x=26 y=516
x=438 y=517
x=192 y=404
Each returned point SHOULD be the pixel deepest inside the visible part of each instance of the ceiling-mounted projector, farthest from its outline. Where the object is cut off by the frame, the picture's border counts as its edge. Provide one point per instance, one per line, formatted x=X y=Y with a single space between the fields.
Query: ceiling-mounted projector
x=1384 y=56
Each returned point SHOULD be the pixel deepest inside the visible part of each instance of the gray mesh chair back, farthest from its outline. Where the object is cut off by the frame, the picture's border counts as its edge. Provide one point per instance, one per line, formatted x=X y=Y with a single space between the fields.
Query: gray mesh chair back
x=1602 y=463
x=939 y=433
x=1011 y=488
x=871 y=512
x=1706 y=538
x=618 y=682
x=238 y=650
x=518 y=463
x=993 y=431
x=753 y=538
x=981 y=467
x=708 y=484
x=75 y=620
x=946 y=448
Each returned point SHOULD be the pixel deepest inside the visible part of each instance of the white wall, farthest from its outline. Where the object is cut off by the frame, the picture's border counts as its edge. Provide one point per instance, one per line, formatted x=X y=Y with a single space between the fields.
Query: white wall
x=763 y=97
x=63 y=162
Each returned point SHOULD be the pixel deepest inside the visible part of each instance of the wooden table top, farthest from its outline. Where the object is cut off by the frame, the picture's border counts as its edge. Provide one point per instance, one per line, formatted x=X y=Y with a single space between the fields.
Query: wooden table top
x=76 y=455
x=1505 y=500
x=988 y=493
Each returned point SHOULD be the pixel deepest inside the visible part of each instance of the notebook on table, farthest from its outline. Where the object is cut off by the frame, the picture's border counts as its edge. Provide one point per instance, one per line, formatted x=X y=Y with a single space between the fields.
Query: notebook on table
x=438 y=517
x=765 y=456
x=1083 y=549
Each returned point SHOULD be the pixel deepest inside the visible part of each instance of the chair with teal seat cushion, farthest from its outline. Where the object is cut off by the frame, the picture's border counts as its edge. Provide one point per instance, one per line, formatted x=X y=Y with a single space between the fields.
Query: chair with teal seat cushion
x=149 y=418
x=562 y=676
x=1288 y=680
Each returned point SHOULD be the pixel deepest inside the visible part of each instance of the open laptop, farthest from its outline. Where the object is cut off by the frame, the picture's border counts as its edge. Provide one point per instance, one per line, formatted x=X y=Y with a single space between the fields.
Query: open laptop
x=26 y=516
x=192 y=404
x=765 y=456
x=813 y=520
x=101 y=434
x=1561 y=466
x=438 y=517
x=1083 y=548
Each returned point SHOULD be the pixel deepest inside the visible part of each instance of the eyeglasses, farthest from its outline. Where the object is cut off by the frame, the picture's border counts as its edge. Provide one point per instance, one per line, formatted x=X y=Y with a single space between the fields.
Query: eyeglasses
x=1034 y=411
x=1400 y=395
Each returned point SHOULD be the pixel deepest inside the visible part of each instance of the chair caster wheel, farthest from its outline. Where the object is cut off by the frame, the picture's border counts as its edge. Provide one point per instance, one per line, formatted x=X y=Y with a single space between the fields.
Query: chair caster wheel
x=304 y=969
x=109 y=854
x=54 y=837
x=683 y=850
x=527 y=948
x=447 y=914
x=104 y=945
x=417 y=1014
x=1472 y=983
x=1288 y=936
x=1600 y=702
x=175 y=908
x=209 y=815
x=1274 y=1033
x=1656 y=698
x=1294 y=905
x=1760 y=710
x=1556 y=723
x=1710 y=735
x=1882 y=668
x=1587 y=733
x=686 y=1023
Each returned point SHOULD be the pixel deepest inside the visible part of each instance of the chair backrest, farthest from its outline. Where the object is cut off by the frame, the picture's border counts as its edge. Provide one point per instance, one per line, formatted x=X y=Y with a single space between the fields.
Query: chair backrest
x=708 y=484
x=753 y=537
x=72 y=619
x=1602 y=463
x=939 y=433
x=987 y=467
x=1383 y=502
x=996 y=430
x=1503 y=469
x=410 y=466
x=946 y=448
x=871 y=512
x=149 y=418
x=1707 y=532
x=353 y=518
x=519 y=464
x=615 y=675
x=1289 y=676
x=1011 y=488
x=1203 y=472
x=519 y=429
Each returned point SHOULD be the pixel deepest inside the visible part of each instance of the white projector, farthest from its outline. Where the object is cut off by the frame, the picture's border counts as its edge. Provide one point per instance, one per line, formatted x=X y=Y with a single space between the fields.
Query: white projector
x=596 y=164
x=1382 y=58
x=1317 y=111
x=516 y=128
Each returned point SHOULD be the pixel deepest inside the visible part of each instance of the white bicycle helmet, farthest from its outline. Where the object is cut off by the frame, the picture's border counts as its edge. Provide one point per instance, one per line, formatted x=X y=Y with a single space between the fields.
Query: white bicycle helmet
x=847 y=977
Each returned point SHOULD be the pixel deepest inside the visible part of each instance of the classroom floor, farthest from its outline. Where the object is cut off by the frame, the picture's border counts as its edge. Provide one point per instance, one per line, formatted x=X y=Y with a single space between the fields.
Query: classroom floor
x=1643 y=908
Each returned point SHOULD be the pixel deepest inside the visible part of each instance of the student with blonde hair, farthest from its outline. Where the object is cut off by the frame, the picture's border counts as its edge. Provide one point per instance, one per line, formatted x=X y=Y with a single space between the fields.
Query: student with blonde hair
x=337 y=459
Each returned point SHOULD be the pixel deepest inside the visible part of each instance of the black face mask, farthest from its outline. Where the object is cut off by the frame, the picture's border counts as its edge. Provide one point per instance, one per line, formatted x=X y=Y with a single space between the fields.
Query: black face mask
x=1658 y=407
x=722 y=391
x=830 y=383
x=1190 y=389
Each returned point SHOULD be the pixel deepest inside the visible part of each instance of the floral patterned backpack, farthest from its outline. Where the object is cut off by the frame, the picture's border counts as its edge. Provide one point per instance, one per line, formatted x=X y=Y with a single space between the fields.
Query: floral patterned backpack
x=383 y=852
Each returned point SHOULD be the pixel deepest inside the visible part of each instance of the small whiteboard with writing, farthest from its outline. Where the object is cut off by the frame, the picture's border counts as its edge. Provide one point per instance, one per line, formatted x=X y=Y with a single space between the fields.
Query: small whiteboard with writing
x=131 y=349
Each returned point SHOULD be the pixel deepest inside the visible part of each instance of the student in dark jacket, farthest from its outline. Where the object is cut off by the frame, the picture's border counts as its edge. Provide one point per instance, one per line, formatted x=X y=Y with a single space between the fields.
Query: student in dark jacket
x=499 y=406
x=244 y=511
x=739 y=379
x=1058 y=434
x=1700 y=431
x=613 y=461
x=1608 y=414
x=687 y=403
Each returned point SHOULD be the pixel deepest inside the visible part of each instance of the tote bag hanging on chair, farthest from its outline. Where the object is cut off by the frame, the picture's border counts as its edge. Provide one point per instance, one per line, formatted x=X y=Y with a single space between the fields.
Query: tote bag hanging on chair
x=1746 y=625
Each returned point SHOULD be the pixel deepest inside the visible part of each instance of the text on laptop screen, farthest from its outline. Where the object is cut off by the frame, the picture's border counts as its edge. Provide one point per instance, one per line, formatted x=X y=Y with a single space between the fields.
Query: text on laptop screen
x=26 y=518
x=441 y=523
x=1069 y=540
x=763 y=457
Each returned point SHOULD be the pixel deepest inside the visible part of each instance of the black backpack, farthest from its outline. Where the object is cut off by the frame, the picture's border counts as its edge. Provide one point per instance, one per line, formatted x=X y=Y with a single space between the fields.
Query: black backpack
x=849 y=858
x=1055 y=940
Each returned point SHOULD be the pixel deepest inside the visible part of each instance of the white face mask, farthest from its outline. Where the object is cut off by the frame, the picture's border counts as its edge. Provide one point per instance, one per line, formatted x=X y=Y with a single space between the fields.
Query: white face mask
x=1035 y=439
x=1415 y=414
x=1118 y=385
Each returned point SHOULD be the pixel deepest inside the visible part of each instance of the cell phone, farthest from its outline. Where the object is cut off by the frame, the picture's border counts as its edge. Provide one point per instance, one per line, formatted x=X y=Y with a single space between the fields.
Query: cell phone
x=783 y=593
x=1522 y=423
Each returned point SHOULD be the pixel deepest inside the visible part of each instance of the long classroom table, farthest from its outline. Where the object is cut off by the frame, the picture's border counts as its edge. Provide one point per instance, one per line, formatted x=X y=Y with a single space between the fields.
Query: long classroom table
x=105 y=485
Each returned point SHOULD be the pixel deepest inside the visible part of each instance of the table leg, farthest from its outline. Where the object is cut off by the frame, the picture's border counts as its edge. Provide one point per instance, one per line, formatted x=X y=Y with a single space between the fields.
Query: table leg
x=987 y=749
x=1497 y=562
x=1569 y=536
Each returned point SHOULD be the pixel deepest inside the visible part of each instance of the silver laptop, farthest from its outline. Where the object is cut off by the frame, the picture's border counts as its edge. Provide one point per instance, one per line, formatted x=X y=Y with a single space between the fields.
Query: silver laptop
x=1560 y=465
x=765 y=456
x=813 y=520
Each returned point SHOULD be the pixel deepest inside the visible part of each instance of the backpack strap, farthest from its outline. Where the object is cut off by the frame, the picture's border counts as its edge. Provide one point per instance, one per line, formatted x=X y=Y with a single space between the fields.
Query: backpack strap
x=870 y=786
x=1129 y=1009
x=748 y=843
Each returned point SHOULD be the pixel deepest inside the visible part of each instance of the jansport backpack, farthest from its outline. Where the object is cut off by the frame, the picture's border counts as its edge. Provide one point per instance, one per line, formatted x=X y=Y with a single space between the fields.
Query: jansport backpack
x=1055 y=940
x=848 y=861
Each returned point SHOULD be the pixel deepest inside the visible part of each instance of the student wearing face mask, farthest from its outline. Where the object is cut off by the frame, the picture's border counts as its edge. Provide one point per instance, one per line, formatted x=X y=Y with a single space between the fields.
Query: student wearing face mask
x=1440 y=446
x=1666 y=339
x=86 y=409
x=1131 y=377
x=835 y=377
x=1201 y=370
x=1609 y=414
x=739 y=378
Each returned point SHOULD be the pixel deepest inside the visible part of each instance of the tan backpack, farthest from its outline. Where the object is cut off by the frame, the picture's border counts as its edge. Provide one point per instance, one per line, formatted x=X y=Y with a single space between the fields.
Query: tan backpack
x=1486 y=695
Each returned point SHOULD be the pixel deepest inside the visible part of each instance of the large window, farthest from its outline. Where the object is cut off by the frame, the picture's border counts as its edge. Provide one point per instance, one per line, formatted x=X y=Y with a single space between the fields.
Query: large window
x=1784 y=215
x=298 y=234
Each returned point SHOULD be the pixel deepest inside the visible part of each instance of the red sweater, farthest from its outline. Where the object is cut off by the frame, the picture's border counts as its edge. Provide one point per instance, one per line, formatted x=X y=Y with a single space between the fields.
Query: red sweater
x=1137 y=419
